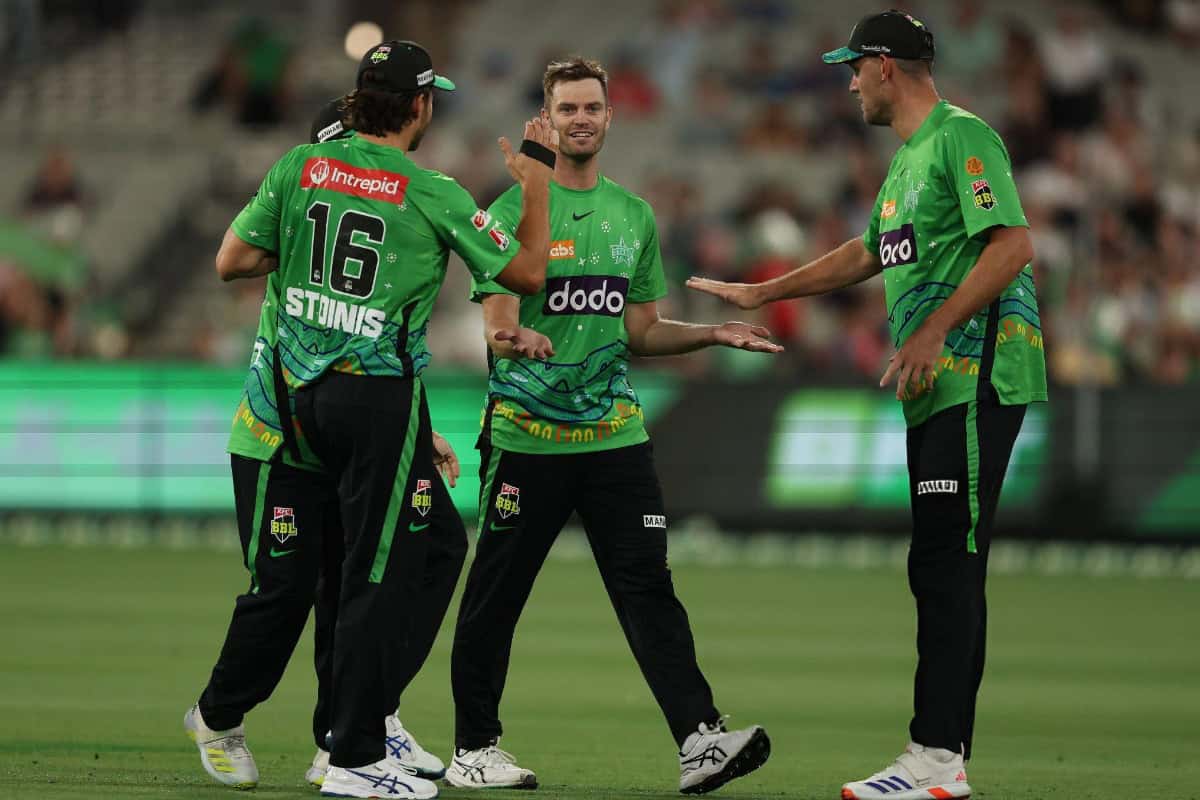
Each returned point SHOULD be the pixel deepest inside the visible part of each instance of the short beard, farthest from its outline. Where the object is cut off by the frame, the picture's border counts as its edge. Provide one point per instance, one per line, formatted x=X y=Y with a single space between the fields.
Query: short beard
x=417 y=137
x=583 y=158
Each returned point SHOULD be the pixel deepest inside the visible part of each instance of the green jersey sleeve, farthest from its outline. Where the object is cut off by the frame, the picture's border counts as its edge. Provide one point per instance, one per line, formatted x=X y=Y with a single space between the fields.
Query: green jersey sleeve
x=258 y=222
x=649 y=281
x=506 y=209
x=484 y=243
x=979 y=170
x=871 y=237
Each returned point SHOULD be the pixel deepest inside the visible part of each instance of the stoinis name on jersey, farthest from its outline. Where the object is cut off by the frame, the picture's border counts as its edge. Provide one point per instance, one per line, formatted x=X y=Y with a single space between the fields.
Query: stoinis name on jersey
x=338 y=176
x=331 y=313
x=586 y=294
x=563 y=248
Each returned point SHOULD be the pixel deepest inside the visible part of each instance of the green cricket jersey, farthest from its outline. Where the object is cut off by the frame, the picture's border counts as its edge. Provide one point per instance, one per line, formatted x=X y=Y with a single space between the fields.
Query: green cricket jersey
x=363 y=236
x=604 y=254
x=947 y=186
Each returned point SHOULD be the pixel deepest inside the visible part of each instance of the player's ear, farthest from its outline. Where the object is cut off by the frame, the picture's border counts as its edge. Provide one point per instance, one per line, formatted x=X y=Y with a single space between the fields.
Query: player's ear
x=608 y=112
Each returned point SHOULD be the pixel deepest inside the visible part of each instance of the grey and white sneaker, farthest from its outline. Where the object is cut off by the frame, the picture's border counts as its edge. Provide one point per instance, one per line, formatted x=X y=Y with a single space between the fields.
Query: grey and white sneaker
x=320 y=765
x=403 y=747
x=713 y=756
x=384 y=778
x=223 y=753
x=488 y=768
x=919 y=773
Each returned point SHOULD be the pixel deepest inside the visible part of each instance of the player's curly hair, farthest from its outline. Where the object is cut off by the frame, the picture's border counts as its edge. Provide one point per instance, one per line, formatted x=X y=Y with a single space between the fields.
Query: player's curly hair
x=575 y=68
x=379 y=113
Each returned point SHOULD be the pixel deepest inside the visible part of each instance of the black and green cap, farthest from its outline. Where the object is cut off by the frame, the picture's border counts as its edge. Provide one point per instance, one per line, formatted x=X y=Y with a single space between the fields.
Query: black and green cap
x=328 y=125
x=892 y=33
x=399 y=66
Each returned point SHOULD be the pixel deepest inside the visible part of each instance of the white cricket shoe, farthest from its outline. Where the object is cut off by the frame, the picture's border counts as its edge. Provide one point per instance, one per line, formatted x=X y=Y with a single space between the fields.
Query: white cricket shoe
x=384 y=778
x=713 y=756
x=919 y=773
x=403 y=747
x=488 y=768
x=223 y=753
x=320 y=765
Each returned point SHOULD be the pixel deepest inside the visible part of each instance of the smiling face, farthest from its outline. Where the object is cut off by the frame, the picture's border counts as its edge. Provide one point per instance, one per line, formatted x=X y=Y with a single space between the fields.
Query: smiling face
x=579 y=110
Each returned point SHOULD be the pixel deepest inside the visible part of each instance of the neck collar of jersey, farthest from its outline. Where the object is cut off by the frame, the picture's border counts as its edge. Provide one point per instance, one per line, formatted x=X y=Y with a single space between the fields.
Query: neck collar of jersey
x=559 y=187
x=356 y=140
x=935 y=117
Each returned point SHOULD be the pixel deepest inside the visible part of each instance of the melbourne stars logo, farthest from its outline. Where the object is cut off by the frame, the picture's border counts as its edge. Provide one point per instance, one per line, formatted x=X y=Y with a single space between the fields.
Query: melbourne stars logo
x=622 y=253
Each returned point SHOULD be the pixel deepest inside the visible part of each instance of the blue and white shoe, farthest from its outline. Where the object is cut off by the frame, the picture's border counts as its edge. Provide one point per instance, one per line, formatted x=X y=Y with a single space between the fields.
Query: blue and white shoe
x=384 y=778
x=403 y=747
x=919 y=773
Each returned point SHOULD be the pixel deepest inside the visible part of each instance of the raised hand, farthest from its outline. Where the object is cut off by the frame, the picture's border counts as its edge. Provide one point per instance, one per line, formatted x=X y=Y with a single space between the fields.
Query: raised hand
x=745 y=336
x=526 y=342
x=521 y=167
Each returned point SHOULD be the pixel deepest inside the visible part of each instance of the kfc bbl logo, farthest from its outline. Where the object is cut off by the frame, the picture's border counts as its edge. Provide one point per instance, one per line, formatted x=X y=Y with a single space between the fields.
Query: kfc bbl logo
x=422 y=500
x=283 y=524
x=508 y=502
x=983 y=195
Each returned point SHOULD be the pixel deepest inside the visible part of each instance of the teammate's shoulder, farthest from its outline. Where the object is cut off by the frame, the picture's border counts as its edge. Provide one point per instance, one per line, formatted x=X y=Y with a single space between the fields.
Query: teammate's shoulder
x=433 y=182
x=510 y=195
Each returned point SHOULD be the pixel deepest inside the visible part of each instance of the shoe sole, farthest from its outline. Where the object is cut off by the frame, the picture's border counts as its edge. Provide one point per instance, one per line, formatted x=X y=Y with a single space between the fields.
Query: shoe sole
x=526 y=784
x=749 y=758
x=935 y=793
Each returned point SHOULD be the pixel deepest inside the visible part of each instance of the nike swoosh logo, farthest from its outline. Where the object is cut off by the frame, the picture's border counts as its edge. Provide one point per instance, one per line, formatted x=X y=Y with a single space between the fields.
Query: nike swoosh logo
x=415 y=528
x=277 y=553
x=498 y=528
x=578 y=217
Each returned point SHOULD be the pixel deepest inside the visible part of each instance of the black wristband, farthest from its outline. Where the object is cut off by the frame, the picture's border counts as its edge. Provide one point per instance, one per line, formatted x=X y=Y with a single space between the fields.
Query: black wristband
x=538 y=152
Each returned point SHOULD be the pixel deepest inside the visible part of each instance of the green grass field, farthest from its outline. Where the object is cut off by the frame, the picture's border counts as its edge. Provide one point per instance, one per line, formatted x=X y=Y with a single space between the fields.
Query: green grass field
x=1092 y=690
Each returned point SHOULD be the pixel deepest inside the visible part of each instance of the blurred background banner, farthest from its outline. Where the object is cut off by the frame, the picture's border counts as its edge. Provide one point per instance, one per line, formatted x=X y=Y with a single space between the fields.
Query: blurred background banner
x=132 y=132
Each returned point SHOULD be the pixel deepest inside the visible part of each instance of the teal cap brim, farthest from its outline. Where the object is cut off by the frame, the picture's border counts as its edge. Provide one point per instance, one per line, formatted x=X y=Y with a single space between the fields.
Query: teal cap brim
x=445 y=84
x=841 y=56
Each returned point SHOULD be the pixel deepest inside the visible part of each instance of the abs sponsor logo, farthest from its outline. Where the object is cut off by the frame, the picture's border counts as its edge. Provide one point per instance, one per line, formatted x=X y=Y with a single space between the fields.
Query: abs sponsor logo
x=983 y=194
x=480 y=220
x=499 y=237
x=937 y=487
x=586 y=294
x=338 y=176
x=898 y=247
x=889 y=209
x=508 y=501
x=422 y=499
x=562 y=248
x=283 y=523
x=654 y=521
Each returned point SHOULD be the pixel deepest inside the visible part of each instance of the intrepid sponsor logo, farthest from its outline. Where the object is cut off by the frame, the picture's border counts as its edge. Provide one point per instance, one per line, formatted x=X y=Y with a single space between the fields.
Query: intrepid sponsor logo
x=898 y=247
x=563 y=248
x=654 y=521
x=338 y=176
x=937 y=487
x=330 y=313
x=586 y=294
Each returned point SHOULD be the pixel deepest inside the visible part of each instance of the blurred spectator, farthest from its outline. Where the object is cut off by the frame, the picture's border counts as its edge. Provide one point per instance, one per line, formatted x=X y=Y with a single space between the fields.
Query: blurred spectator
x=1183 y=20
x=630 y=89
x=760 y=73
x=20 y=30
x=252 y=75
x=1060 y=185
x=1075 y=59
x=675 y=44
x=55 y=201
x=710 y=119
x=772 y=130
x=971 y=46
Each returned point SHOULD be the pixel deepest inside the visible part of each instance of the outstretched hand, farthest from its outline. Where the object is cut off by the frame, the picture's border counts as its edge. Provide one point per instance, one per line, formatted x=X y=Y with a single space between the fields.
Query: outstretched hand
x=520 y=166
x=742 y=295
x=744 y=336
x=526 y=342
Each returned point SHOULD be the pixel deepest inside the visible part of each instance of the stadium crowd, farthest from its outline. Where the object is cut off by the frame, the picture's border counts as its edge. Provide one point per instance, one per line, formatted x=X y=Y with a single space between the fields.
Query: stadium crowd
x=1109 y=175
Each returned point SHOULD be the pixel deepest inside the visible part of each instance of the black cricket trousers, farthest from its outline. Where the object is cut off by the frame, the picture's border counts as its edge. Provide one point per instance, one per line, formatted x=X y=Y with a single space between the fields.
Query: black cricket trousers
x=525 y=499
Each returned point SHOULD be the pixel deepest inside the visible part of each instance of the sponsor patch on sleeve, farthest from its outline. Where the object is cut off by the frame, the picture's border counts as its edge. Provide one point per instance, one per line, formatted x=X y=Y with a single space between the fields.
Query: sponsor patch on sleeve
x=983 y=194
x=499 y=237
x=974 y=166
x=481 y=219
